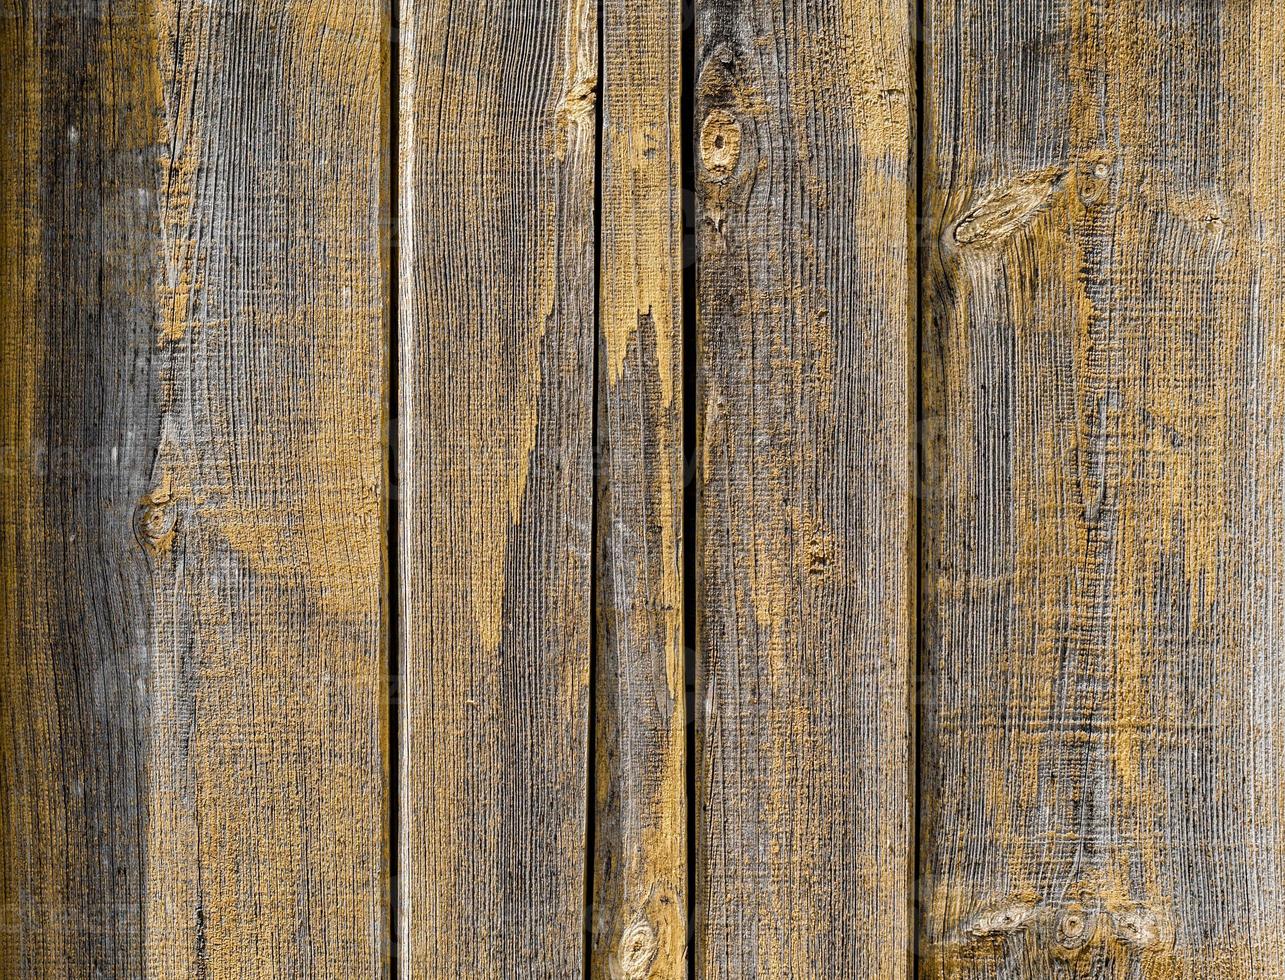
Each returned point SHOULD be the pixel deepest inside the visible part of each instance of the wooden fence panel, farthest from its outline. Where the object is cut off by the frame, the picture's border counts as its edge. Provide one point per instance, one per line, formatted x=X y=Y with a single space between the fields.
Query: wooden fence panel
x=640 y=879
x=805 y=589
x=191 y=549
x=496 y=199
x=194 y=584
x=1102 y=769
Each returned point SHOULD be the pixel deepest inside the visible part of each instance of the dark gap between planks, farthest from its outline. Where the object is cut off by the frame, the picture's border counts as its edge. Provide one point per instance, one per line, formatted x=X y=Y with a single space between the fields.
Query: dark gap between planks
x=687 y=130
x=919 y=26
x=591 y=753
x=393 y=407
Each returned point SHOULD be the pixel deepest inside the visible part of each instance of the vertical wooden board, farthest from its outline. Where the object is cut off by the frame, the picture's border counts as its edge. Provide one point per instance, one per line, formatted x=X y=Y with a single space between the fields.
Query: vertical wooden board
x=80 y=428
x=1102 y=611
x=805 y=330
x=496 y=205
x=640 y=868
x=192 y=545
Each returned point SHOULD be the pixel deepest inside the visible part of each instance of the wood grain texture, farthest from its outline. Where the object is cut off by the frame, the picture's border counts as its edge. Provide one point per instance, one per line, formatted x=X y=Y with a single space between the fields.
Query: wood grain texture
x=496 y=191
x=191 y=757
x=805 y=595
x=1102 y=603
x=640 y=858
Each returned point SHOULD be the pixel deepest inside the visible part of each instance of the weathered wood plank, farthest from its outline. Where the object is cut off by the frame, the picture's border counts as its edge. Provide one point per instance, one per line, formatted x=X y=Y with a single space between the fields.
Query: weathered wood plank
x=640 y=869
x=191 y=553
x=76 y=315
x=805 y=581
x=496 y=191
x=1103 y=776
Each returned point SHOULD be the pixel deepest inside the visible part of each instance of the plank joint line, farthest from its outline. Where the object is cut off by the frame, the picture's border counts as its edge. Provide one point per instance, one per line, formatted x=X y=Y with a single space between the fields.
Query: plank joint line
x=393 y=503
x=687 y=170
x=591 y=715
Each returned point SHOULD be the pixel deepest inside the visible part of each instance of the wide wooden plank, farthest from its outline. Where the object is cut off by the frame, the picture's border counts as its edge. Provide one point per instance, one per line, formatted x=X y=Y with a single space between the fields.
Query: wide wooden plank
x=805 y=593
x=639 y=901
x=1103 y=782
x=190 y=520
x=496 y=310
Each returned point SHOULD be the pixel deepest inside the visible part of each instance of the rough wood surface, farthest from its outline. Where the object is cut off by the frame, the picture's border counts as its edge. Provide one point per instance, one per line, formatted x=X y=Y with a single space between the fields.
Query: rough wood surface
x=805 y=329
x=1103 y=778
x=640 y=862
x=191 y=555
x=496 y=192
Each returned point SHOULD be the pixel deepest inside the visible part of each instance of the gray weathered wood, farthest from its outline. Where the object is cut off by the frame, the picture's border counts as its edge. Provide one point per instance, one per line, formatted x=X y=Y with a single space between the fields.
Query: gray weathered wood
x=1103 y=775
x=805 y=581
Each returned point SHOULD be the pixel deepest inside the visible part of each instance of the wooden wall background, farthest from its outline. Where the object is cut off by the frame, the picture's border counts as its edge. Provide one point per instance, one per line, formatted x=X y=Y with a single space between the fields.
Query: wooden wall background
x=642 y=489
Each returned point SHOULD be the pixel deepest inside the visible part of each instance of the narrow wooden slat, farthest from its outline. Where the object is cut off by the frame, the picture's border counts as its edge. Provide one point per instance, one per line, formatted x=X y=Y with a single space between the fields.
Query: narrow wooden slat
x=191 y=540
x=1104 y=776
x=805 y=581
x=496 y=308
x=640 y=878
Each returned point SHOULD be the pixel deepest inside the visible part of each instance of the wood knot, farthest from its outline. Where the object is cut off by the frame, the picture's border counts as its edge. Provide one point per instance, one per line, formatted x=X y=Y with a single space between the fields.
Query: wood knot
x=1075 y=928
x=720 y=144
x=580 y=101
x=575 y=110
x=155 y=520
x=638 y=948
x=1136 y=928
x=1093 y=177
x=1070 y=930
x=1001 y=921
x=1202 y=212
x=1007 y=210
x=820 y=555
